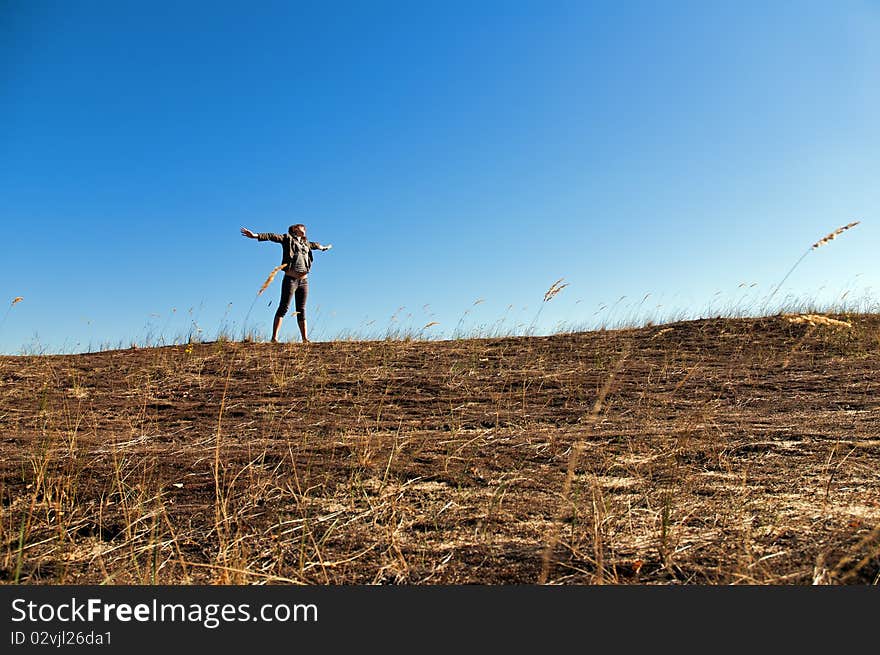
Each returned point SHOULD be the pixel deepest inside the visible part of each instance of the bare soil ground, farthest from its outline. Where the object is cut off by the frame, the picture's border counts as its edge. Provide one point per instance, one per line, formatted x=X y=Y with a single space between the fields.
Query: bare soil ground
x=719 y=451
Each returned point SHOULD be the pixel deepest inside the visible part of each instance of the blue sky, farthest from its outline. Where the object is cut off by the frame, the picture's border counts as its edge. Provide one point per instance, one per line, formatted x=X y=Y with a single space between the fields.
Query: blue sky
x=452 y=152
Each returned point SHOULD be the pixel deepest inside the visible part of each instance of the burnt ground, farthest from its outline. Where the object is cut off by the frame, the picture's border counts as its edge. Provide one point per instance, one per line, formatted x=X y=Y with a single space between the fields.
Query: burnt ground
x=718 y=451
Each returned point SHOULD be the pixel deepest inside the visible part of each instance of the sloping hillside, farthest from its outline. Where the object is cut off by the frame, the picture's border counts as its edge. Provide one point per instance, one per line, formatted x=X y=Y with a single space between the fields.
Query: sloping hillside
x=715 y=451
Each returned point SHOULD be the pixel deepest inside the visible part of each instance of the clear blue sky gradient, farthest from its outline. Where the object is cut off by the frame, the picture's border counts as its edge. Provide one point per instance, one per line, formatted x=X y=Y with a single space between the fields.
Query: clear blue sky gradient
x=450 y=151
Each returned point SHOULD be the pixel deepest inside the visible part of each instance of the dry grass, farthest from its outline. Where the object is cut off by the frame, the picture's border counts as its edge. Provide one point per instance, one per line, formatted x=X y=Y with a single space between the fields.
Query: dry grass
x=555 y=288
x=821 y=242
x=833 y=235
x=816 y=319
x=717 y=452
x=271 y=277
x=14 y=302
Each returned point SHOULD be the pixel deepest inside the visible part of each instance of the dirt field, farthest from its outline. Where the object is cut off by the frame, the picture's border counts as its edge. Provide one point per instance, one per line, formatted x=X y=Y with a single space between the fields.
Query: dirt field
x=705 y=452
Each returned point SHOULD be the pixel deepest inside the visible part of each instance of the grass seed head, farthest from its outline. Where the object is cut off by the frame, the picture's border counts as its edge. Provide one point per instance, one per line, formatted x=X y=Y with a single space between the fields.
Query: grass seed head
x=555 y=288
x=270 y=278
x=833 y=235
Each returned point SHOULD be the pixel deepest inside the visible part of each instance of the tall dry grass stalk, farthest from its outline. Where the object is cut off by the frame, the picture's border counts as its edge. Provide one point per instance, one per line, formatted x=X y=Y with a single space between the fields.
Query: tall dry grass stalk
x=14 y=302
x=271 y=277
x=265 y=286
x=221 y=518
x=554 y=289
x=821 y=242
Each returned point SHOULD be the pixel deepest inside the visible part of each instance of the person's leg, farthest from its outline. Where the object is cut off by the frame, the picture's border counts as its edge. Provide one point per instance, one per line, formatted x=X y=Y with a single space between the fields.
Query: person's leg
x=283 y=305
x=302 y=292
x=276 y=326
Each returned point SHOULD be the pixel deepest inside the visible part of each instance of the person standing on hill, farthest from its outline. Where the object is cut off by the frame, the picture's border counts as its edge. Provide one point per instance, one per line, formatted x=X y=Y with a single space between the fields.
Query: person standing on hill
x=297 y=259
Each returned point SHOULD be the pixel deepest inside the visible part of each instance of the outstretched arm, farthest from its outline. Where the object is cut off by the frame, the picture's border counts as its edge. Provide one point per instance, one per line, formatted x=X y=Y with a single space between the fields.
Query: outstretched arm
x=262 y=236
x=314 y=245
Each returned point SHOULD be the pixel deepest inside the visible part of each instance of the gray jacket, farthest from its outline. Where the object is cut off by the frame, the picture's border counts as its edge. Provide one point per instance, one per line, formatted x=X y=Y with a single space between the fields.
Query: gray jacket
x=296 y=253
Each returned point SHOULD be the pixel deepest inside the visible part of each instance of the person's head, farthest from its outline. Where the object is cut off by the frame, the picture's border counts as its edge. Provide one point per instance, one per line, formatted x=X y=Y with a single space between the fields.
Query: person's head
x=298 y=230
